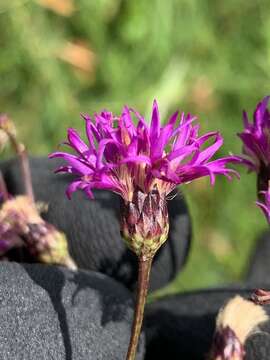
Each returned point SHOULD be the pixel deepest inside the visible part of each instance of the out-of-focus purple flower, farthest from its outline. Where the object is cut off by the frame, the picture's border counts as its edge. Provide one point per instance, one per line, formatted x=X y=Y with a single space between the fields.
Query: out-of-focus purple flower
x=265 y=204
x=122 y=156
x=9 y=239
x=226 y=345
x=22 y=227
x=256 y=143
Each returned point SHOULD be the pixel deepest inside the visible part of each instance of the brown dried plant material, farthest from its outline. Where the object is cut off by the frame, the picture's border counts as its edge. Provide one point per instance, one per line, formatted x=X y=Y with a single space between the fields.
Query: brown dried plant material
x=22 y=226
x=3 y=140
x=6 y=127
x=60 y=7
x=78 y=55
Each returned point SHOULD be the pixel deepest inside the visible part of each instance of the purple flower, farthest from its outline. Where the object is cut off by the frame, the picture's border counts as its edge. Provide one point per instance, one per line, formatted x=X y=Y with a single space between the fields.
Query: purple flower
x=256 y=137
x=265 y=204
x=122 y=155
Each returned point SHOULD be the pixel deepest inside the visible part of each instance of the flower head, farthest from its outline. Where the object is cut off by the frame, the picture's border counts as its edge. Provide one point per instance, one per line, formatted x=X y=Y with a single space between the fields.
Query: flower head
x=143 y=164
x=226 y=345
x=122 y=156
x=145 y=222
x=256 y=143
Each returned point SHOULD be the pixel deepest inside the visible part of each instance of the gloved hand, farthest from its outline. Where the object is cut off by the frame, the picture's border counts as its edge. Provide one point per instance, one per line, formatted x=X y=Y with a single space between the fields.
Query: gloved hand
x=179 y=326
x=49 y=312
x=92 y=227
x=182 y=326
x=258 y=271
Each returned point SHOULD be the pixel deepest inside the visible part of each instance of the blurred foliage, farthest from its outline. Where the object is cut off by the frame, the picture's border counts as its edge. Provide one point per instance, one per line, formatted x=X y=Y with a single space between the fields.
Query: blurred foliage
x=62 y=57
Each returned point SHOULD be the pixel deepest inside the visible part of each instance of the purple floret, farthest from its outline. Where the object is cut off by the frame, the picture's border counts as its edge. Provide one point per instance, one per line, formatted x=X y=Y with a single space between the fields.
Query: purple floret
x=122 y=154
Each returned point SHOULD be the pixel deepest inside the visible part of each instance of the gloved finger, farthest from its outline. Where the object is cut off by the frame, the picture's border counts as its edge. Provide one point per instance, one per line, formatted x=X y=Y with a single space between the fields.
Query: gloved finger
x=258 y=346
x=259 y=267
x=92 y=227
x=50 y=312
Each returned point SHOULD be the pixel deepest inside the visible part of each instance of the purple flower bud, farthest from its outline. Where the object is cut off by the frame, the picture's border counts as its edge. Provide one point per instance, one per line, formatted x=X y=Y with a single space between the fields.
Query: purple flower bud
x=226 y=345
x=48 y=245
x=236 y=321
x=22 y=226
x=145 y=223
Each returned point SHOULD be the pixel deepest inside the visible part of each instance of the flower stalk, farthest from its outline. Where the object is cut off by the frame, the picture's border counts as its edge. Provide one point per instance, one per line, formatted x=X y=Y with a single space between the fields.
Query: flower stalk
x=25 y=168
x=142 y=289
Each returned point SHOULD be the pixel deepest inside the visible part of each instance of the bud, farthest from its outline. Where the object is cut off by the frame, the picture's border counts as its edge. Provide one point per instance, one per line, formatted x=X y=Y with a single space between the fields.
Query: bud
x=9 y=239
x=226 y=345
x=235 y=322
x=17 y=212
x=145 y=222
x=19 y=219
x=48 y=245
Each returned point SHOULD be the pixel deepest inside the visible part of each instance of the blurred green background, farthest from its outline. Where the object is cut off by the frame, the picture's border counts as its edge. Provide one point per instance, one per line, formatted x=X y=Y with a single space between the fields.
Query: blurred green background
x=211 y=58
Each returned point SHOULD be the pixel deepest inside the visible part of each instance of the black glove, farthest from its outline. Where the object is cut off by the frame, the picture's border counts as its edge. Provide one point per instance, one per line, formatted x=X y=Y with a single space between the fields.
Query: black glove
x=49 y=312
x=259 y=266
x=180 y=326
x=92 y=227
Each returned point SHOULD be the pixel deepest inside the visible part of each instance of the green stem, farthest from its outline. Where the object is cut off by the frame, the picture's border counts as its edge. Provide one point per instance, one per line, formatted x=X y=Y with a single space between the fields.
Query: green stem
x=142 y=289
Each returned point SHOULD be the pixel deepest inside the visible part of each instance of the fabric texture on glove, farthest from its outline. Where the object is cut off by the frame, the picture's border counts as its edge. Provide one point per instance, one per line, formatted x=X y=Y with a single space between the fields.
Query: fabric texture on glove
x=49 y=312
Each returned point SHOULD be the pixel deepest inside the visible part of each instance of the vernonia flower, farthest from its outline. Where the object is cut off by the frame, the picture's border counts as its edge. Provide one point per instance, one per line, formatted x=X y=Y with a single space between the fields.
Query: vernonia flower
x=143 y=164
x=256 y=143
